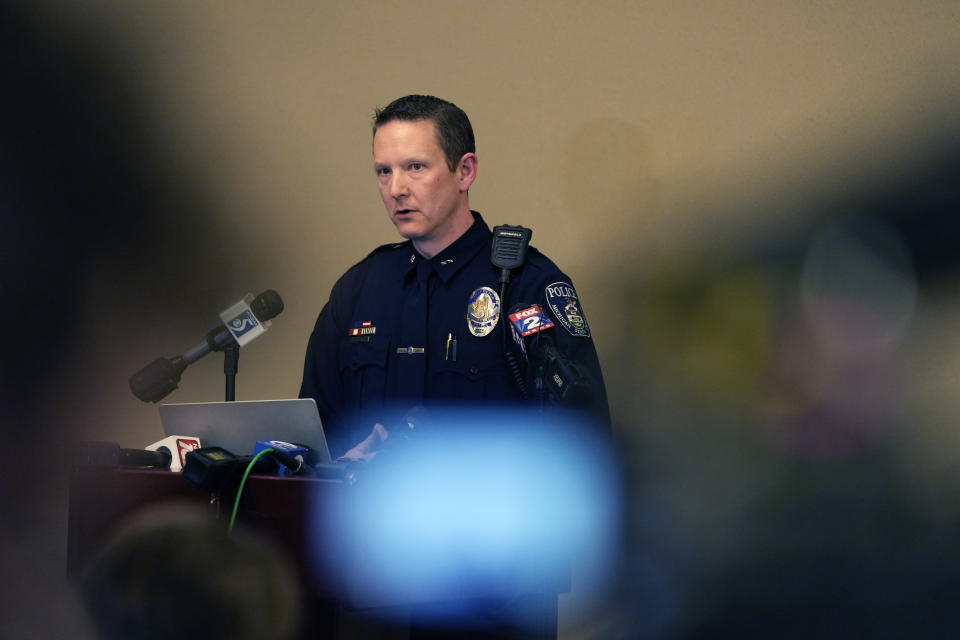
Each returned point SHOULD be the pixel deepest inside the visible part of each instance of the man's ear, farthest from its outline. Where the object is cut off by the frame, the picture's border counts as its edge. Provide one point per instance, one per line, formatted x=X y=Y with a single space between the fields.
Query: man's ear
x=467 y=170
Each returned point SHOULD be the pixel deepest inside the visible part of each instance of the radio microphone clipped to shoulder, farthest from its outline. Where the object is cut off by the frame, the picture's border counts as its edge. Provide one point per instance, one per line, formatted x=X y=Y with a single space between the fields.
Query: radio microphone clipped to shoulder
x=509 y=250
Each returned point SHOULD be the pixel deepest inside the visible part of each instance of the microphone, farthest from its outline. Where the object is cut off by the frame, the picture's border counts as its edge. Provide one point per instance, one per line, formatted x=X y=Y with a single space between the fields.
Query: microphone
x=243 y=322
x=291 y=458
x=109 y=454
x=557 y=378
x=509 y=250
x=177 y=447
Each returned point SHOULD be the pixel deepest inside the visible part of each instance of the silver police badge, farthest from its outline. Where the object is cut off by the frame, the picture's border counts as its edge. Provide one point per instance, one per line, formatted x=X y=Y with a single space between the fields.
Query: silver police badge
x=483 y=311
x=563 y=302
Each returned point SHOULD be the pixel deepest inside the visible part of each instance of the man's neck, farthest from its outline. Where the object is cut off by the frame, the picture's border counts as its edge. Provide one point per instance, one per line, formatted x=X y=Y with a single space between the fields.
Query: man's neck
x=430 y=247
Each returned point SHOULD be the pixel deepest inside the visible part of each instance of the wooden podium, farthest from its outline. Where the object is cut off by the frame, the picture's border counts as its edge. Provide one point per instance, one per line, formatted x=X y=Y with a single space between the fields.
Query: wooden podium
x=278 y=508
x=101 y=498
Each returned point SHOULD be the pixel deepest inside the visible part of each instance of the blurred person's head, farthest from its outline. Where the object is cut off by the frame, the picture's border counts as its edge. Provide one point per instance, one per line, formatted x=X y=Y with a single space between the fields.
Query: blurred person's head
x=176 y=573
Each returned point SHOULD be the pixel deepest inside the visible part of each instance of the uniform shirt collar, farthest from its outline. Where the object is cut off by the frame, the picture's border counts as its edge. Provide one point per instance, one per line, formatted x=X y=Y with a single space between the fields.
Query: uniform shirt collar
x=406 y=259
x=449 y=261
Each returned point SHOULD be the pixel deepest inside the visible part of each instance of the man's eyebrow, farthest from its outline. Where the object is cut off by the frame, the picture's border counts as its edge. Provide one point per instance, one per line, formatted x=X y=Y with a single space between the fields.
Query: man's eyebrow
x=410 y=160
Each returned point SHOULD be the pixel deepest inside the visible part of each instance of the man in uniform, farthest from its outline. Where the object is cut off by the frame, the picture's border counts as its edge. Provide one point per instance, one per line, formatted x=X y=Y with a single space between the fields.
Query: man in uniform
x=420 y=326
x=420 y=323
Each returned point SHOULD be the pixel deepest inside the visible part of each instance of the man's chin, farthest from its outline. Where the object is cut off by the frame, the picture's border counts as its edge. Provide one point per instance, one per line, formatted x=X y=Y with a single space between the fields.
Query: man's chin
x=408 y=229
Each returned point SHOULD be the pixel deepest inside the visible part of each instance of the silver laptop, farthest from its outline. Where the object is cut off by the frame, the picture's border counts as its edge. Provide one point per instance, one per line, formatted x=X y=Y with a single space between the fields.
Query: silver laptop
x=236 y=426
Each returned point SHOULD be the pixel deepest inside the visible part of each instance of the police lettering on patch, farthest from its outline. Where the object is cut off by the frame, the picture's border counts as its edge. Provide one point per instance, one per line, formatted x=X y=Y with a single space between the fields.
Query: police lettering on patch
x=483 y=311
x=563 y=302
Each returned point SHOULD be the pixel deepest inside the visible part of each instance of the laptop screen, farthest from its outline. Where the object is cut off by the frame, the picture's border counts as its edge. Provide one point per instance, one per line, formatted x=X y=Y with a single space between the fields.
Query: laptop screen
x=236 y=426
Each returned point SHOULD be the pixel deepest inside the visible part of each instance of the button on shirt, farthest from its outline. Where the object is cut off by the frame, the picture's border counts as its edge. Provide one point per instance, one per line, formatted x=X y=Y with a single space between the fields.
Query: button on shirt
x=394 y=335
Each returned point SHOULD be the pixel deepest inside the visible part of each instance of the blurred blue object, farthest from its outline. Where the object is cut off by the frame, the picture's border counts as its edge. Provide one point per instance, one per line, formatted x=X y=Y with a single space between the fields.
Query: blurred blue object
x=482 y=503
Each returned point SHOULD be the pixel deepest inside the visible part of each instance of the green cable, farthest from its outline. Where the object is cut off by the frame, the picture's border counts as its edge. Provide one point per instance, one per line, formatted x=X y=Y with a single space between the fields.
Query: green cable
x=236 y=503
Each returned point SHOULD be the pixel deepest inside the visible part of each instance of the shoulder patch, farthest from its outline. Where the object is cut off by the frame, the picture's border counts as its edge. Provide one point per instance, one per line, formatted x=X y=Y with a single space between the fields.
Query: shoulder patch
x=565 y=305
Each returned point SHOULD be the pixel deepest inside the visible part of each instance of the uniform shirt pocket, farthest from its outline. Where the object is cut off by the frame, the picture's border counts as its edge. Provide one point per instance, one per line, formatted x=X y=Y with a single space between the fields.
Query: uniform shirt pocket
x=478 y=375
x=363 y=374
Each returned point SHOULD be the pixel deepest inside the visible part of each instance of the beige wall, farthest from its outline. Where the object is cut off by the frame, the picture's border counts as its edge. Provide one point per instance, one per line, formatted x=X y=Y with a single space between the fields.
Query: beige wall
x=617 y=131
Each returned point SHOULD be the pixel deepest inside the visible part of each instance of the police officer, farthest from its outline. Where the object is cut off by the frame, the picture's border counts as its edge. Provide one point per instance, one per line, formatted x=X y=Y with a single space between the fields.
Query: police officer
x=419 y=323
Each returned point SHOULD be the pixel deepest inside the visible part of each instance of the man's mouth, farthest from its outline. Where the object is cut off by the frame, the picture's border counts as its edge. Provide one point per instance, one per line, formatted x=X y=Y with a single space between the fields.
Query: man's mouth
x=403 y=212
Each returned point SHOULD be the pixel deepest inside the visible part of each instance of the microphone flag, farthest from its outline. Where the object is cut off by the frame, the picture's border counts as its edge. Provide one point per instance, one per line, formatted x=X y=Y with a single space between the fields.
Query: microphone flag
x=177 y=447
x=530 y=320
x=242 y=323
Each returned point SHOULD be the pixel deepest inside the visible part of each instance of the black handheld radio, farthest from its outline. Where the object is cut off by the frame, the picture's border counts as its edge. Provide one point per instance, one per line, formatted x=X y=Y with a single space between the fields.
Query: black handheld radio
x=509 y=252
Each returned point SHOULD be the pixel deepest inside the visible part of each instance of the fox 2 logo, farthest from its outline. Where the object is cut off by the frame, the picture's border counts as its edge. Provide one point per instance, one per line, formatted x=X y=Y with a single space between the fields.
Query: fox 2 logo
x=532 y=323
x=530 y=320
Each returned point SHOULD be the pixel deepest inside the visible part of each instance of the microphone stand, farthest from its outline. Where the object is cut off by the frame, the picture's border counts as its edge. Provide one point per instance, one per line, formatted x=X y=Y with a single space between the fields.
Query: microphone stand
x=231 y=358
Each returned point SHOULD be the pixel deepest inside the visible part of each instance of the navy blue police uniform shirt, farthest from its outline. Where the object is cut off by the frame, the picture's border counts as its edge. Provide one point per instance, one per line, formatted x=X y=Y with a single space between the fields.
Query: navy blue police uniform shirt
x=401 y=331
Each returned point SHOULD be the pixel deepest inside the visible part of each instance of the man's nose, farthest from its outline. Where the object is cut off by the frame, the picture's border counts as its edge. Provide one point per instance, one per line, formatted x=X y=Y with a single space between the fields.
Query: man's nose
x=398 y=184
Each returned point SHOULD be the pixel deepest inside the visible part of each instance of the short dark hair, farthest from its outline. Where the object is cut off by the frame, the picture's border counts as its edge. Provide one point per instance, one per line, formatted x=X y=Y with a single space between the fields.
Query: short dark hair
x=454 y=133
x=173 y=571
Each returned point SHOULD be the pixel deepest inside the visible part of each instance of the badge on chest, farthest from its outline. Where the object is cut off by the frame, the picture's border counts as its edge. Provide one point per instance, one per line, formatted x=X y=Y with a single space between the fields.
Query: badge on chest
x=483 y=311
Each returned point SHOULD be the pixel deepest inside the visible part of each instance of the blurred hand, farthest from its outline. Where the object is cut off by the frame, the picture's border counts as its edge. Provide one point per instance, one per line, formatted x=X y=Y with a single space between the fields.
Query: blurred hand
x=367 y=449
